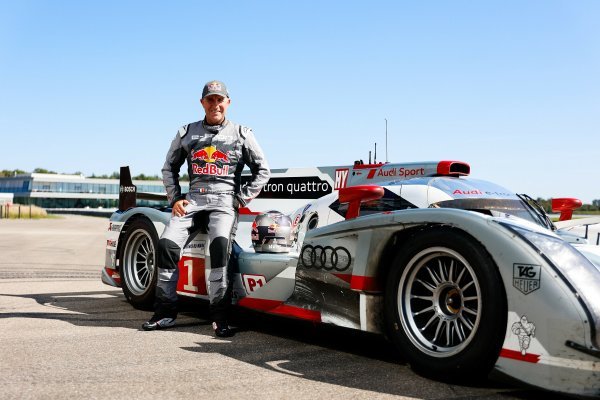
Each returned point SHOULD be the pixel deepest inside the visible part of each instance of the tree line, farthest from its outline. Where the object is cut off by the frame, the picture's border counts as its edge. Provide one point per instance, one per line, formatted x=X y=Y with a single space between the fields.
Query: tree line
x=545 y=203
x=115 y=175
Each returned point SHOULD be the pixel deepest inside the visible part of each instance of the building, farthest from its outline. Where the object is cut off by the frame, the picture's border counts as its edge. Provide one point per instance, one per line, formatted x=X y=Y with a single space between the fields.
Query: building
x=6 y=198
x=73 y=191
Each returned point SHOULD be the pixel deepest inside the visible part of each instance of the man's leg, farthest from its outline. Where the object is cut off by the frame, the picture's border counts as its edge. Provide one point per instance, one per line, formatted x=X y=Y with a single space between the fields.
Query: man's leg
x=221 y=231
x=168 y=255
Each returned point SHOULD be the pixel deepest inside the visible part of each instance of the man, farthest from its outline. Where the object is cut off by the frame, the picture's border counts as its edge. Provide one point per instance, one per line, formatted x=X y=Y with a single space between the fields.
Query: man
x=216 y=151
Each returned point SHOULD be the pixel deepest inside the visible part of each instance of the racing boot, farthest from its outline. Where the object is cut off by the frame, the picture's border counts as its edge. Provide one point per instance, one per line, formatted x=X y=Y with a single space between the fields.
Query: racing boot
x=158 y=322
x=222 y=329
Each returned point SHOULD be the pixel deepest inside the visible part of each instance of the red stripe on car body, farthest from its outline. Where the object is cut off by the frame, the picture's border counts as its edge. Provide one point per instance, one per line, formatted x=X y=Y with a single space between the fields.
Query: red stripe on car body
x=277 y=307
x=366 y=283
x=516 y=355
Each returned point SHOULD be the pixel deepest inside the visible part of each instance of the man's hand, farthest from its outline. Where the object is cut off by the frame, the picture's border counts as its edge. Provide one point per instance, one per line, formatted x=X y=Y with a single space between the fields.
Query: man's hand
x=179 y=208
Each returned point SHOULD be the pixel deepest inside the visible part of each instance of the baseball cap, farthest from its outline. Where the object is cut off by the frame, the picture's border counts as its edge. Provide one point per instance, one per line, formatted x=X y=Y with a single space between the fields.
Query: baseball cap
x=215 y=87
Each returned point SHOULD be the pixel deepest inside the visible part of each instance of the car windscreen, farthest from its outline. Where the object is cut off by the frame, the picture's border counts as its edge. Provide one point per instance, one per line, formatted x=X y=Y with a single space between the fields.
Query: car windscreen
x=494 y=207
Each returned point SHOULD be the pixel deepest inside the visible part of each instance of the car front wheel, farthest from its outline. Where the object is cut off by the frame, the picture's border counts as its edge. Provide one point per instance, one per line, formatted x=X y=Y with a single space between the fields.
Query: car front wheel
x=446 y=306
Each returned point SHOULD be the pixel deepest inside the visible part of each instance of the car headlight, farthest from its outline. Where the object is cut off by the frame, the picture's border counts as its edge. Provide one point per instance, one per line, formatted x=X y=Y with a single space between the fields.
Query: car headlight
x=574 y=268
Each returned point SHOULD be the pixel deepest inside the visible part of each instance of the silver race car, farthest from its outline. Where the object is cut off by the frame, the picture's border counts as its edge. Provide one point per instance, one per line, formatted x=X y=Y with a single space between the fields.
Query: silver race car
x=462 y=275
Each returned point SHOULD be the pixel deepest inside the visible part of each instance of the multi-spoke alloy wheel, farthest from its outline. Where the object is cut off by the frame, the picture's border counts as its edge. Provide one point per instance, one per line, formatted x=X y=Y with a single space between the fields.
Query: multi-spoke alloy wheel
x=445 y=305
x=138 y=263
x=441 y=305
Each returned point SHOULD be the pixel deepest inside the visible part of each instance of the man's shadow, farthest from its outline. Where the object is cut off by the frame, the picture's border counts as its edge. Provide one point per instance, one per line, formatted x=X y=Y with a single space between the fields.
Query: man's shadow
x=107 y=308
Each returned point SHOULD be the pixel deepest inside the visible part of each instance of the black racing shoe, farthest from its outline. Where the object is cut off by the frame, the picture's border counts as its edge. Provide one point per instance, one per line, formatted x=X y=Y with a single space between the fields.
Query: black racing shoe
x=158 y=322
x=222 y=329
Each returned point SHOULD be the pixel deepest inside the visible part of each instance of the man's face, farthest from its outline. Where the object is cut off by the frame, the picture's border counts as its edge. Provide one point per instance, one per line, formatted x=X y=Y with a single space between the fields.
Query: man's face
x=215 y=107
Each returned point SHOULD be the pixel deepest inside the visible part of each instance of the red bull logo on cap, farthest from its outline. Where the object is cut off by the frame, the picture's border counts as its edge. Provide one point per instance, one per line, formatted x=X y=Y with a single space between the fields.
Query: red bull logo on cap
x=210 y=155
x=214 y=87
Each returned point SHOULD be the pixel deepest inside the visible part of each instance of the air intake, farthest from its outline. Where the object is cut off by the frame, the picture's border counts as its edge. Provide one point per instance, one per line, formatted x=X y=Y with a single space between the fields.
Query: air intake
x=457 y=168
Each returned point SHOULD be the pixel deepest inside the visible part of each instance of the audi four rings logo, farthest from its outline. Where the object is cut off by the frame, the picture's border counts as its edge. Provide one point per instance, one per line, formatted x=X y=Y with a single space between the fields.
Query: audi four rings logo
x=327 y=258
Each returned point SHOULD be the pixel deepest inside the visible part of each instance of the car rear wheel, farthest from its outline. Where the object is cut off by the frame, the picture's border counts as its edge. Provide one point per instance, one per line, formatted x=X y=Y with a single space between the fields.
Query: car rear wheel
x=446 y=306
x=138 y=264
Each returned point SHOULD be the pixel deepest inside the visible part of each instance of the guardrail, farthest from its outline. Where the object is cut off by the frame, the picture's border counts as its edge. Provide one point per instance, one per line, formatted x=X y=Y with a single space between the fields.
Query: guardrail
x=94 y=212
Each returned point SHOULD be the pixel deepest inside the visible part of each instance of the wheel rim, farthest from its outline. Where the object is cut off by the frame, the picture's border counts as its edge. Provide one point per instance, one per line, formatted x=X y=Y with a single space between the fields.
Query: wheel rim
x=439 y=301
x=138 y=265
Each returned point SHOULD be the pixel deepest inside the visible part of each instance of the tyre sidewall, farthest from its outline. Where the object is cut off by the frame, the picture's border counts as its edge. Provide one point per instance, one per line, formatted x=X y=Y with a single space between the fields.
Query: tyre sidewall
x=479 y=356
x=144 y=301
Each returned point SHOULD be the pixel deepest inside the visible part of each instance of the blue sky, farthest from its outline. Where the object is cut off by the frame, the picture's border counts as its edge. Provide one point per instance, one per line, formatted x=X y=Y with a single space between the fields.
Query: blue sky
x=511 y=87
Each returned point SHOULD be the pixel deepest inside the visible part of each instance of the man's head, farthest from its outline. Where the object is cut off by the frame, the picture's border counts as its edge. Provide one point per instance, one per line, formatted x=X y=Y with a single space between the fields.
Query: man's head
x=215 y=101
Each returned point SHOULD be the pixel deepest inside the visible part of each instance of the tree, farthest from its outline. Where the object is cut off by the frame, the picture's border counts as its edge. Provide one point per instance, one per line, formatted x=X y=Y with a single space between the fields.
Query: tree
x=142 y=177
x=545 y=203
x=13 y=172
x=43 y=171
x=114 y=175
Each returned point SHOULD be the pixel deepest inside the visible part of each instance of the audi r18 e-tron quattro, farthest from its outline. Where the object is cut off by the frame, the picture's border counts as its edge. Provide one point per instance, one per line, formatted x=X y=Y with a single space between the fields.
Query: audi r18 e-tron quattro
x=462 y=275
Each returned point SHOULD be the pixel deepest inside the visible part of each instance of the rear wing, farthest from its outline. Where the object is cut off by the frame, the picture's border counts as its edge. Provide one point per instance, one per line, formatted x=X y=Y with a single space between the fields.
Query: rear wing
x=128 y=193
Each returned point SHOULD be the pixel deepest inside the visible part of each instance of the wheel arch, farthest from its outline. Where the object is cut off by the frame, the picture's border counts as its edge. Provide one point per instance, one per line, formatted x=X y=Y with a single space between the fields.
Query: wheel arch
x=397 y=240
x=121 y=243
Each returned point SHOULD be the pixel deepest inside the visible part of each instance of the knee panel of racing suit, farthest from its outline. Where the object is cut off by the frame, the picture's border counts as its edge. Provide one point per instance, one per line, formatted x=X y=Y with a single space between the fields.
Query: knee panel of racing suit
x=219 y=291
x=217 y=278
x=168 y=274
x=219 y=252
x=168 y=254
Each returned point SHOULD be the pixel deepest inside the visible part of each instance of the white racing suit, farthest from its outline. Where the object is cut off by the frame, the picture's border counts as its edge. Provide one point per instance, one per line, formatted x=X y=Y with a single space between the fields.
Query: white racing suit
x=216 y=156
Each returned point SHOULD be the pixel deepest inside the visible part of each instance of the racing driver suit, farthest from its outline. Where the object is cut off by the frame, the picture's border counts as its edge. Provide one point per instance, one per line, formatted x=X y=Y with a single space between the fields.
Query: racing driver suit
x=216 y=155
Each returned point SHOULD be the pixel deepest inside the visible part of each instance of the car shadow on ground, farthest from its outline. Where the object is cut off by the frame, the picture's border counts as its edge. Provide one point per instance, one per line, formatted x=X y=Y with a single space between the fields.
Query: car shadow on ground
x=346 y=357
x=302 y=349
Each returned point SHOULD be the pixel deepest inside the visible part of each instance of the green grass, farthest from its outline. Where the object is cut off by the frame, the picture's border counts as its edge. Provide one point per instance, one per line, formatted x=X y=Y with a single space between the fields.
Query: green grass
x=26 y=212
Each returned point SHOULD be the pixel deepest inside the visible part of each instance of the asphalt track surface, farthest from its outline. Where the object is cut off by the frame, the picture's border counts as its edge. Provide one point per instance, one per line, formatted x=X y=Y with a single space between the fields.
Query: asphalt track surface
x=64 y=334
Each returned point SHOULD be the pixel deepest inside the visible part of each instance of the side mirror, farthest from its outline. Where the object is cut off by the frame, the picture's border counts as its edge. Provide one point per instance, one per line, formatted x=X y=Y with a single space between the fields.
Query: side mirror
x=354 y=195
x=565 y=206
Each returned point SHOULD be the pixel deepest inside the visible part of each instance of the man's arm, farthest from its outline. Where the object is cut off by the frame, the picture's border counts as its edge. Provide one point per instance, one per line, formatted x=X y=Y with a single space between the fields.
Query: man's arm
x=175 y=158
x=256 y=161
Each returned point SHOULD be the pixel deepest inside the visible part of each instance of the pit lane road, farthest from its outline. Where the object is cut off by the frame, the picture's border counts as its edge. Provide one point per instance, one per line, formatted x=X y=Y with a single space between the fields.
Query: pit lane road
x=65 y=335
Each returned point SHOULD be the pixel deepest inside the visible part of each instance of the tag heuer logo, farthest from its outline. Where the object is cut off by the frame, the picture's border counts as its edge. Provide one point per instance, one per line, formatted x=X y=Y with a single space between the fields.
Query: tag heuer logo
x=526 y=277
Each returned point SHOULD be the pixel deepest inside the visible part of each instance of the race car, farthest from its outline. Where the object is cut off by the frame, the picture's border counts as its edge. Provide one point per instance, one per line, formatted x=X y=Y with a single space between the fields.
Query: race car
x=462 y=275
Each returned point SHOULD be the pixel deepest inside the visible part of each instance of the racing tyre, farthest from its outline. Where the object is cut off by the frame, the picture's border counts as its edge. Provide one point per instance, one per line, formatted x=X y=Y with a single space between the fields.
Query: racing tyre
x=138 y=261
x=445 y=306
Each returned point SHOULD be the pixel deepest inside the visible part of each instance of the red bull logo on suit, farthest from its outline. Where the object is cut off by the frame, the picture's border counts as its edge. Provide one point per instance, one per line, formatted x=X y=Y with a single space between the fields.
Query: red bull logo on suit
x=210 y=155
